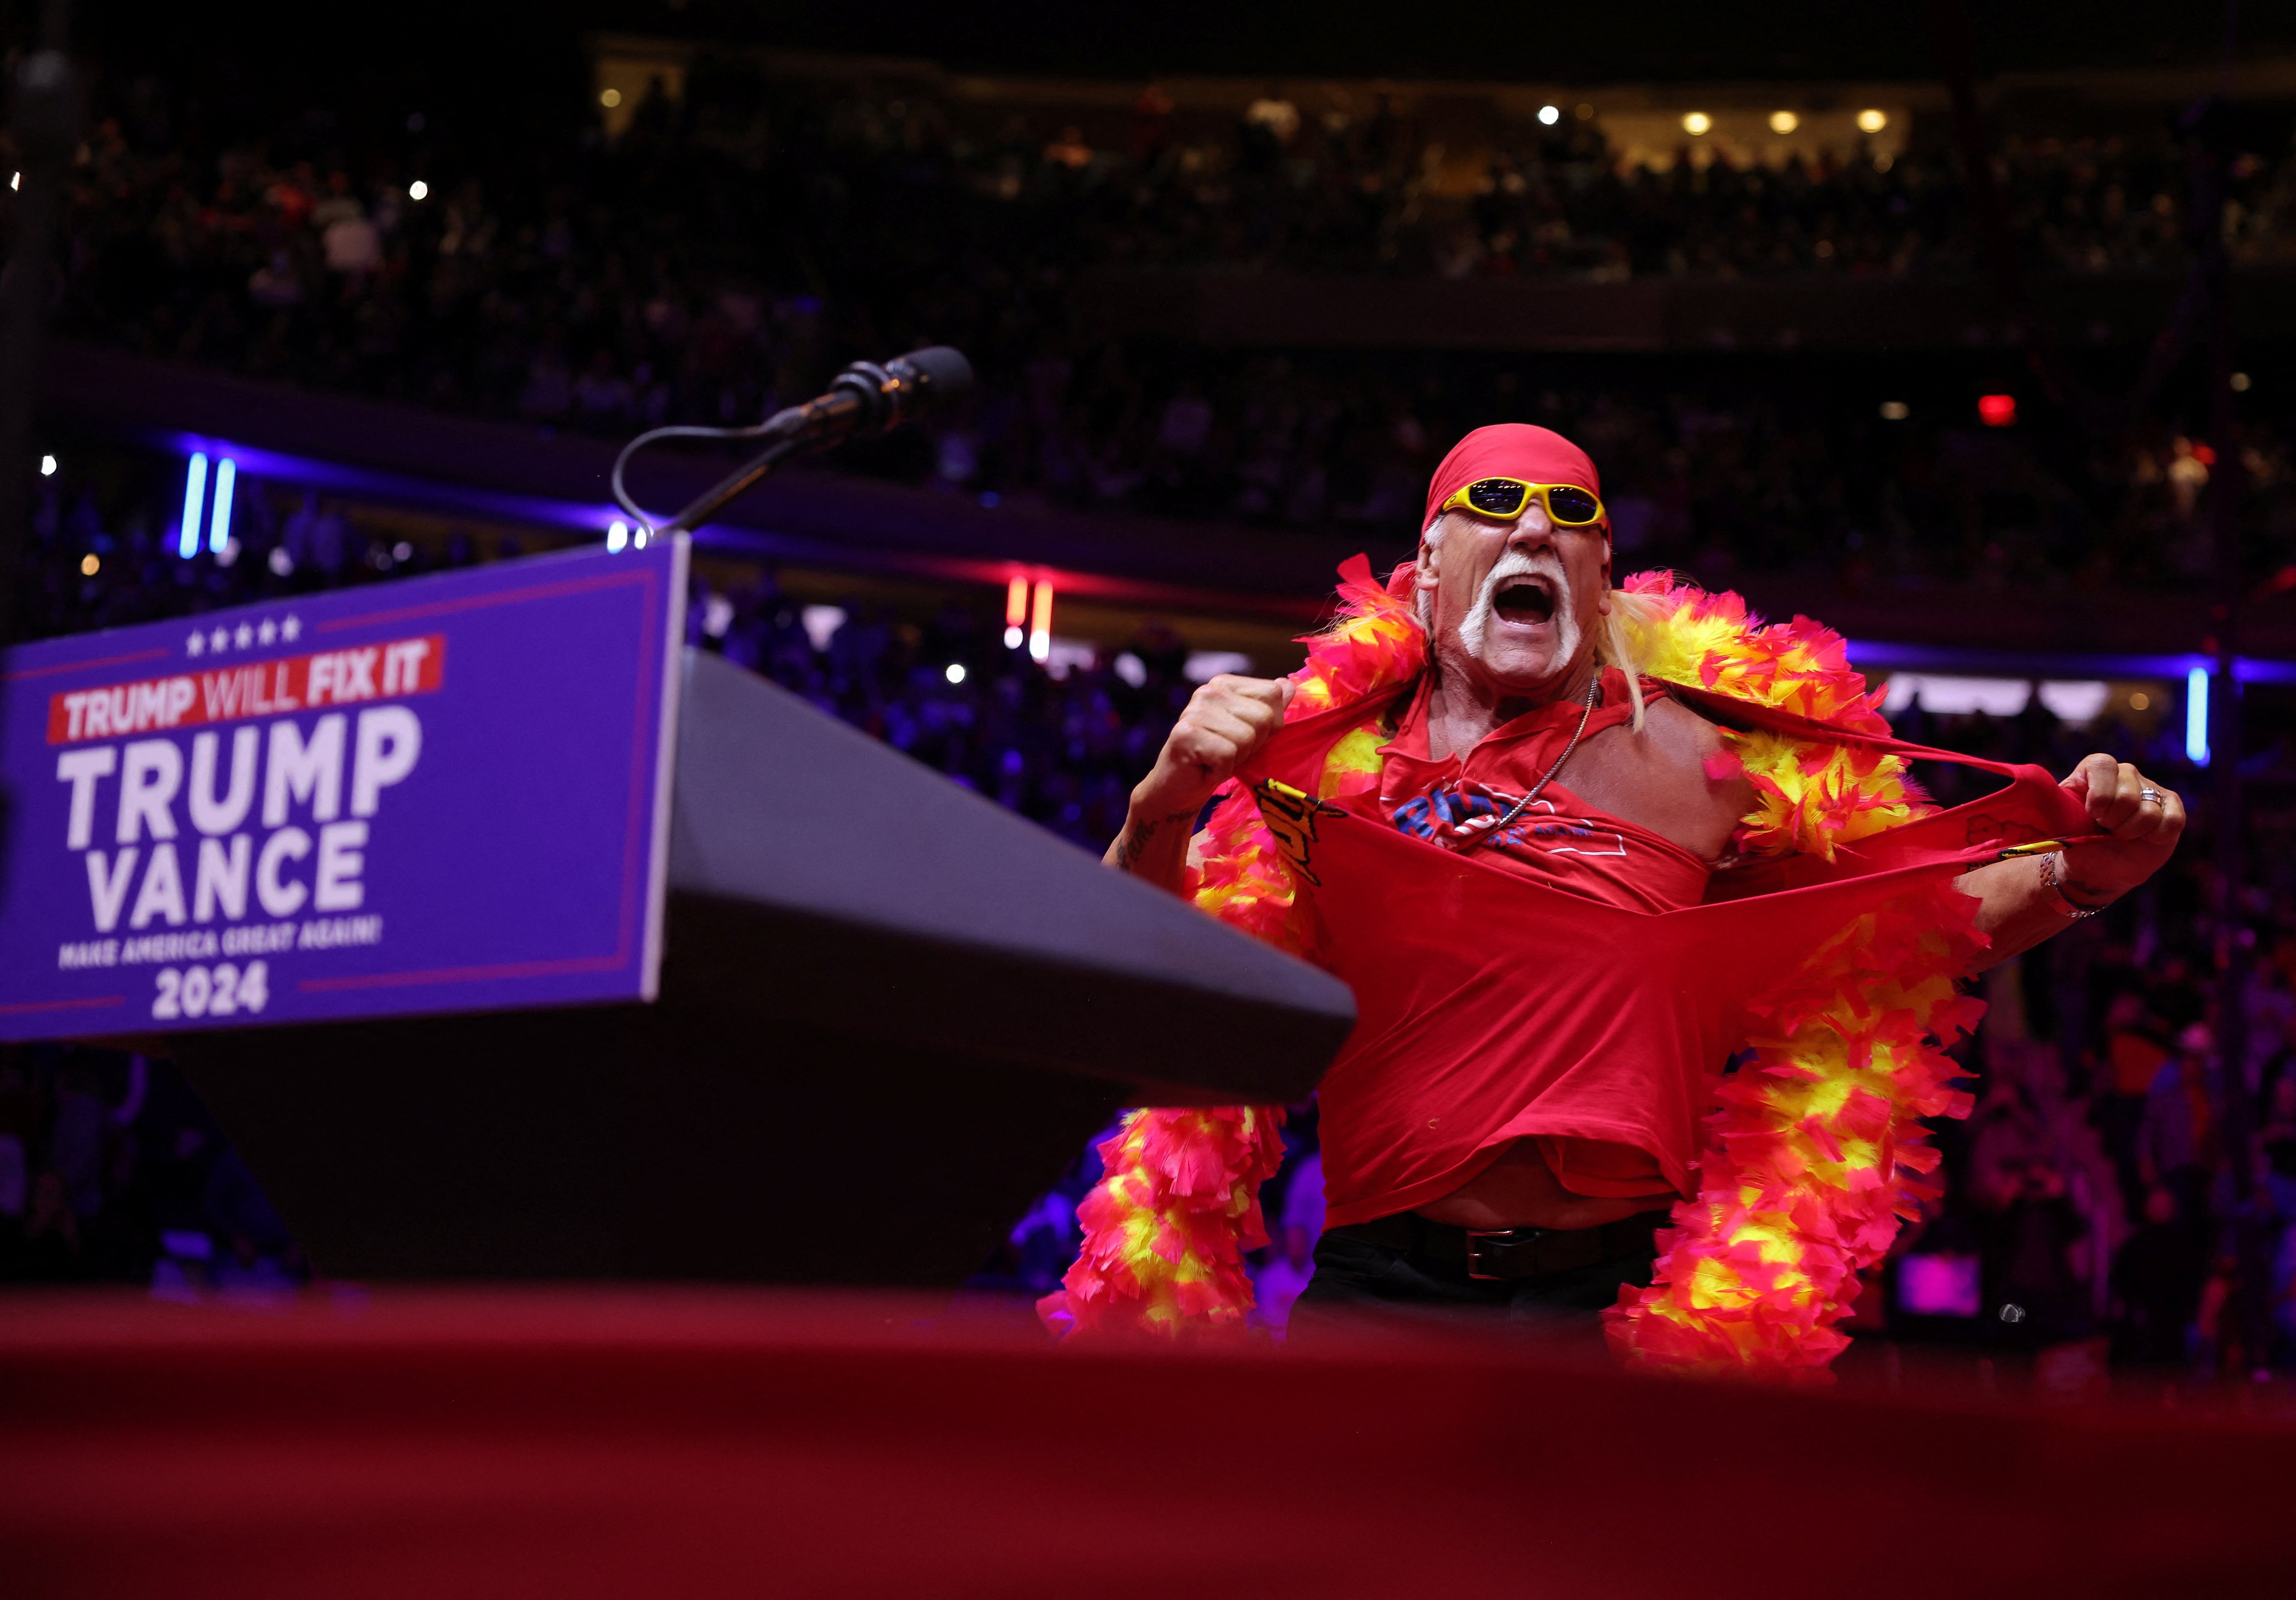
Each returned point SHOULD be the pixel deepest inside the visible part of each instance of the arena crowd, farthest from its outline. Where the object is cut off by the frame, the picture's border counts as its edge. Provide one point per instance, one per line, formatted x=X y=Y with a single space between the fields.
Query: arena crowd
x=733 y=246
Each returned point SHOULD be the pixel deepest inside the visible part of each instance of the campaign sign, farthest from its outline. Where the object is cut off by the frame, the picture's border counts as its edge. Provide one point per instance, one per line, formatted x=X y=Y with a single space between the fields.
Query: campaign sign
x=450 y=793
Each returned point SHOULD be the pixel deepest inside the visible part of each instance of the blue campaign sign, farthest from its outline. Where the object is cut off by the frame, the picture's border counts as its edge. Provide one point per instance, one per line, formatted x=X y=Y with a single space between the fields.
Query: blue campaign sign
x=450 y=793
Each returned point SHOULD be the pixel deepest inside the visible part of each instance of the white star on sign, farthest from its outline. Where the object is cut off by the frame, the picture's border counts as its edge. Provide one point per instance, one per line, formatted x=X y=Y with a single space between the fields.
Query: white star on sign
x=218 y=641
x=289 y=629
x=195 y=644
x=242 y=636
x=268 y=631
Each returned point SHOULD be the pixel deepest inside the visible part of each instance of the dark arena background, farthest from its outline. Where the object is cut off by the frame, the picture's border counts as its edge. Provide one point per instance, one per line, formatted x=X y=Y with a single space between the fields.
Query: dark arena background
x=1968 y=332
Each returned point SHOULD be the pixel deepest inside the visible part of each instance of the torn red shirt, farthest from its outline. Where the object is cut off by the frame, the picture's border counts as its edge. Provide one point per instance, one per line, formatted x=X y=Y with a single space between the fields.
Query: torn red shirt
x=1585 y=999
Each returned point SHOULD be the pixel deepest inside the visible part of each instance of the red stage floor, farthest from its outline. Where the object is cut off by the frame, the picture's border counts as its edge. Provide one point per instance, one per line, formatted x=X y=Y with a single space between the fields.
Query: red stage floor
x=563 y=1444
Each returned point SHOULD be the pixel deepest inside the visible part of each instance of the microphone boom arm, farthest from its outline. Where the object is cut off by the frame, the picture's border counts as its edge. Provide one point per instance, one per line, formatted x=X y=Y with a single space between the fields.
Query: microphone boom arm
x=866 y=398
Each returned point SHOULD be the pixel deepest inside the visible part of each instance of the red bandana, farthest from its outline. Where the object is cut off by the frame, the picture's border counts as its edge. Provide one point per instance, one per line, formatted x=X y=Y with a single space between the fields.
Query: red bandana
x=1510 y=450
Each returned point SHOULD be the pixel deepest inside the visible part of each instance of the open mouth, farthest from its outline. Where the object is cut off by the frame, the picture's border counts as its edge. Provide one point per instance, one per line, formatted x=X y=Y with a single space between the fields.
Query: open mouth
x=1525 y=600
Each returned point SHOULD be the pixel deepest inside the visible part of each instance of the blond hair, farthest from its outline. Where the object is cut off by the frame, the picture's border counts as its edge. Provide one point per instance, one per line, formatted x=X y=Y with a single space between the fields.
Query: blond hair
x=1630 y=617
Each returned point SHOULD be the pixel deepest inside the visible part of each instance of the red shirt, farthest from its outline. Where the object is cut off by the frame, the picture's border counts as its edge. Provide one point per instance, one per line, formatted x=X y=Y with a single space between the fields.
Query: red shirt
x=1588 y=1128
x=1555 y=989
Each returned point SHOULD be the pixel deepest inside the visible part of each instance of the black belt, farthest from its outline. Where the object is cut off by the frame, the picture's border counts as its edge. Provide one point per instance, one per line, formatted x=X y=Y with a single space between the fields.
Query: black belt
x=1510 y=1254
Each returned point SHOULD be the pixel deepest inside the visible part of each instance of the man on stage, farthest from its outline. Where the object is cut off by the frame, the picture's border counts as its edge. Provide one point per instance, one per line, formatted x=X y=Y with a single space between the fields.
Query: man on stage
x=1494 y=1144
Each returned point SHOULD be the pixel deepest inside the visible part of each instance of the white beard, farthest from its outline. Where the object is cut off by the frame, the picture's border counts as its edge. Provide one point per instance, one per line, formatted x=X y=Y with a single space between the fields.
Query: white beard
x=1519 y=563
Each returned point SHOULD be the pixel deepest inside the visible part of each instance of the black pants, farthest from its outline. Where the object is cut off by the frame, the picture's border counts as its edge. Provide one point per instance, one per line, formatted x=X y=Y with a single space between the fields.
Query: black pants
x=1361 y=1285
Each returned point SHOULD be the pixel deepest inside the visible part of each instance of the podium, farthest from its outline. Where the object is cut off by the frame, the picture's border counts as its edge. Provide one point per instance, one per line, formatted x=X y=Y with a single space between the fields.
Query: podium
x=506 y=938
x=891 y=1013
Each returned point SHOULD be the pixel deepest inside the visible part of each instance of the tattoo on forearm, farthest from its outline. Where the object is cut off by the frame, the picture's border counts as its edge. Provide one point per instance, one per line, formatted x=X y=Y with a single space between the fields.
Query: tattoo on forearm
x=1132 y=843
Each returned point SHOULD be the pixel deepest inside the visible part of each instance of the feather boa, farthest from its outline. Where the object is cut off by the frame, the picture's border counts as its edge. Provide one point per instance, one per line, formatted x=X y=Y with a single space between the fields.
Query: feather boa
x=1815 y=1148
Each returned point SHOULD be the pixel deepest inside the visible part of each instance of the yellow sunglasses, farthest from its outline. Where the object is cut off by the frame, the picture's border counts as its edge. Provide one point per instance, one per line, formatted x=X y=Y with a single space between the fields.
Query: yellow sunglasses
x=1567 y=506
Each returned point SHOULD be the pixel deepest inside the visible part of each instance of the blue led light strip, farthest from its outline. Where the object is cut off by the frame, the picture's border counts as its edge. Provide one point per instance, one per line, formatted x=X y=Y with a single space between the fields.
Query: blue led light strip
x=195 y=493
x=219 y=530
x=2196 y=715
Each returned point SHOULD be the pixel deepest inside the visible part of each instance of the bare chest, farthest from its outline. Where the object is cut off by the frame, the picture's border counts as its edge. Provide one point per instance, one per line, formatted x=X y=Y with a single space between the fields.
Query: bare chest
x=1657 y=780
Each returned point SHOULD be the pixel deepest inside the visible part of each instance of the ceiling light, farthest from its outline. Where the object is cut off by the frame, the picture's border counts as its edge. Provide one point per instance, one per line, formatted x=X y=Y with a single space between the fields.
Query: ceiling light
x=1697 y=122
x=1783 y=122
x=1872 y=122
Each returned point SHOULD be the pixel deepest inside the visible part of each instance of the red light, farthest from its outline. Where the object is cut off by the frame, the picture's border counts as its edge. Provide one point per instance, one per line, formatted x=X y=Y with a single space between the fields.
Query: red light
x=1997 y=411
x=2206 y=456
x=1040 y=622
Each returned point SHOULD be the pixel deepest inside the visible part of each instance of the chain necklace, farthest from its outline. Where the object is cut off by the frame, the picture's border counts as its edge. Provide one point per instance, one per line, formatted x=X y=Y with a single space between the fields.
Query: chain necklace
x=1488 y=829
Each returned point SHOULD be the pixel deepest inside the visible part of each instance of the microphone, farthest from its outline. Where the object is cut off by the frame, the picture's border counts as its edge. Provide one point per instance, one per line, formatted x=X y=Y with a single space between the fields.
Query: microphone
x=868 y=399
x=864 y=398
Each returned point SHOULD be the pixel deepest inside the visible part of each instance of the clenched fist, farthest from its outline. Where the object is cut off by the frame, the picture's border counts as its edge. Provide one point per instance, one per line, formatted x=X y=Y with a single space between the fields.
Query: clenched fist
x=1226 y=723
x=2141 y=819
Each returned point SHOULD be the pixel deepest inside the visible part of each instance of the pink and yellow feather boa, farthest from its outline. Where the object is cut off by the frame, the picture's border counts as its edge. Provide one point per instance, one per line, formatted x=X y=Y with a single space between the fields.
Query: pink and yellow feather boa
x=1815 y=1148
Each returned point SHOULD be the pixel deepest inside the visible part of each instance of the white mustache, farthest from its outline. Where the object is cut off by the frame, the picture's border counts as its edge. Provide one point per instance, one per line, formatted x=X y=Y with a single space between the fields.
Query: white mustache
x=1522 y=563
x=1526 y=563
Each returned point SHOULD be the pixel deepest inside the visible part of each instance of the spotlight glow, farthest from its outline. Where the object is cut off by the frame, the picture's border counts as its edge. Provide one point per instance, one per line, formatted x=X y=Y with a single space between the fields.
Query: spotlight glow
x=956 y=673
x=618 y=534
x=195 y=495
x=1550 y=114
x=418 y=190
x=90 y=565
x=47 y=466
x=1871 y=121
x=1783 y=122
x=1696 y=123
